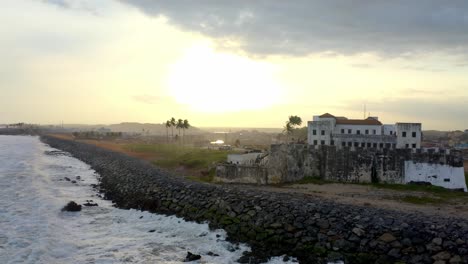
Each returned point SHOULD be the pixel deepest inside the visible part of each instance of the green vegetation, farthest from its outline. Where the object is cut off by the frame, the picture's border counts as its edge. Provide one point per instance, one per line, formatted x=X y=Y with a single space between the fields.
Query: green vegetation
x=292 y=122
x=466 y=178
x=422 y=200
x=172 y=156
x=425 y=194
x=313 y=180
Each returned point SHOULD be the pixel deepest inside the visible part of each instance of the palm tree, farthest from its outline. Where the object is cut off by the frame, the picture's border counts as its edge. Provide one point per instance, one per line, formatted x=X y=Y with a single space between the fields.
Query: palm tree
x=288 y=128
x=290 y=125
x=180 y=125
x=185 y=125
x=173 y=124
x=168 y=125
x=295 y=120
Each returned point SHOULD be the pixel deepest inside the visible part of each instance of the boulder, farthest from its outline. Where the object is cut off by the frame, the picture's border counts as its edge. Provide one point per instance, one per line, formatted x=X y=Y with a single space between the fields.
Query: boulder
x=72 y=207
x=191 y=257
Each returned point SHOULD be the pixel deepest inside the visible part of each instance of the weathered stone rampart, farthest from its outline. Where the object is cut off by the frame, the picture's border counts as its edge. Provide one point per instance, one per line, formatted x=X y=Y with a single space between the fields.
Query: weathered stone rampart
x=292 y=162
x=310 y=228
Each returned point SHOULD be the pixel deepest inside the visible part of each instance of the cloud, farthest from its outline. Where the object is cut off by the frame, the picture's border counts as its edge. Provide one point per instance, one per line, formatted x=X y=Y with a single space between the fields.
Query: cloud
x=433 y=112
x=148 y=99
x=301 y=27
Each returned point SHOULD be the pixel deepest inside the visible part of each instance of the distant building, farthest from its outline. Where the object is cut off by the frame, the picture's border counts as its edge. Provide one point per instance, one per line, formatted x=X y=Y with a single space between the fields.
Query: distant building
x=362 y=133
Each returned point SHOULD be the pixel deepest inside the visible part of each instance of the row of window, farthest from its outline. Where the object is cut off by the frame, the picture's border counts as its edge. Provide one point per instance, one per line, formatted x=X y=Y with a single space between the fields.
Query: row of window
x=413 y=134
x=358 y=132
x=363 y=144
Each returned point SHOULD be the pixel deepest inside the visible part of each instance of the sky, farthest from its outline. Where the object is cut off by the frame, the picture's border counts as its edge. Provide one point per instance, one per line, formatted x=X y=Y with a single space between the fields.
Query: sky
x=233 y=63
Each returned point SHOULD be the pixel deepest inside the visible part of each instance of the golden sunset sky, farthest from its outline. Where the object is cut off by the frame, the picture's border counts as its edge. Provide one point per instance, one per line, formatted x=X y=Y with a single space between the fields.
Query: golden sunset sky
x=233 y=63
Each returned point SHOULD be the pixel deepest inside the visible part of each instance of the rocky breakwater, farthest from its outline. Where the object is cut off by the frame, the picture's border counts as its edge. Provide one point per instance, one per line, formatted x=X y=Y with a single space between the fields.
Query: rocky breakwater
x=312 y=229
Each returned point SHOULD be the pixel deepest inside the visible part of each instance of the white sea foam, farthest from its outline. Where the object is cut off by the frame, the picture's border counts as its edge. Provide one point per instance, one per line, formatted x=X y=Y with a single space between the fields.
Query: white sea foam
x=33 y=189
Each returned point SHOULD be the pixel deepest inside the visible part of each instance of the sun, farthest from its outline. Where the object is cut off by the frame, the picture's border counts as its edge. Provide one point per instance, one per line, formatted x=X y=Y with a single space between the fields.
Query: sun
x=211 y=81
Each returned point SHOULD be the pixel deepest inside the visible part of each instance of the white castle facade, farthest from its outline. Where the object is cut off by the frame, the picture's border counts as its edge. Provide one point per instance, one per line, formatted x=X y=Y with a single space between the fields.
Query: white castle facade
x=362 y=133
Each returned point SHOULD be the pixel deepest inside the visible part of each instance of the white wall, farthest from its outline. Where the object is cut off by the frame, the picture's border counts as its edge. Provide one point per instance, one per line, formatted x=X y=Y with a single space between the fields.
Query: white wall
x=361 y=128
x=409 y=128
x=389 y=128
x=325 y=125
x=244 y=159
x=435 y=174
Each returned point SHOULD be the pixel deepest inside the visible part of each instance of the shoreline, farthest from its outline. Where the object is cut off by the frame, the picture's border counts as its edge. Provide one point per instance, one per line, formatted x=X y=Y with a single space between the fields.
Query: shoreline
x=311 y=229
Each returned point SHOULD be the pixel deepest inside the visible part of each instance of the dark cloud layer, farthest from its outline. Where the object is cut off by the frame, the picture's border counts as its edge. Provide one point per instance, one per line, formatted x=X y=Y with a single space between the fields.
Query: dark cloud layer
x=307 y=26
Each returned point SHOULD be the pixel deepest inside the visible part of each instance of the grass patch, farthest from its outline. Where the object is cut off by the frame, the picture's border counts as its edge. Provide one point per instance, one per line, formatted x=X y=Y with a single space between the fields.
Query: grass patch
x=422 y=200
x=172 y=156
x=466 y=178
x=313 y=180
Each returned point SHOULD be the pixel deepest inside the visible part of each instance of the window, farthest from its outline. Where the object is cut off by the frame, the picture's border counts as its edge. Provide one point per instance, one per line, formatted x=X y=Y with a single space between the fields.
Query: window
x=363 y=145
x=314 y=132
x=375 y=145
x=381 y=145
x=407 y=146
x=332 y=143
x=374 y=132
x=350 y=144
x=342 y=131
x=350 y=131
x=403 y=134
x=343 y=144
x=323 y=132
x=315 y=142
x=387 y=145
x=394 y=145
x=367 y=131
x=391 y=133
x=414 y=146
x=358 y=132
x=369 y=145
x=446 y=180
x=414 y=134
x=322 y=142
x=356 y=144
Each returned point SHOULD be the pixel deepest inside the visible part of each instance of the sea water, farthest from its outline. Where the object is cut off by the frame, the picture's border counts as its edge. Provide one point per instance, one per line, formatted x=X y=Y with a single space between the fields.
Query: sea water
x=36 y=181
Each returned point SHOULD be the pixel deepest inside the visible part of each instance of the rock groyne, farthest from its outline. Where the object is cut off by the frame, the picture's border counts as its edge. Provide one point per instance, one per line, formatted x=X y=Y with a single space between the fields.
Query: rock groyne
x=312 y=229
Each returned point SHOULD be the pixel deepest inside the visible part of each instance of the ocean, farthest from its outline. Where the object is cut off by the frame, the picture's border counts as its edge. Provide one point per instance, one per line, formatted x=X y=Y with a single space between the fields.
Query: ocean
x=36 y=181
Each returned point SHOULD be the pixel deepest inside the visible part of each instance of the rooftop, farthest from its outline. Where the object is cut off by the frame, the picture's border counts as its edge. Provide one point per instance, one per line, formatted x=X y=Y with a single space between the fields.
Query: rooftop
x=340 y=120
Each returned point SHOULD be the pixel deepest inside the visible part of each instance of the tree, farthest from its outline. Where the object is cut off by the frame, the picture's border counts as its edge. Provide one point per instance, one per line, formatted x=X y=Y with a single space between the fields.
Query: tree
x=290 y=125
x=173 y=124
x=180 y=125
x=295 y=120
x=168 y=125
x=288 y=128
x=185 y=125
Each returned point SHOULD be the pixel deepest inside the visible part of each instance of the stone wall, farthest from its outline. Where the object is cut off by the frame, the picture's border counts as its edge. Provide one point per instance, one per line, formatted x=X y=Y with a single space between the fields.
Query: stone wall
x=313 y=229
x=292 y=162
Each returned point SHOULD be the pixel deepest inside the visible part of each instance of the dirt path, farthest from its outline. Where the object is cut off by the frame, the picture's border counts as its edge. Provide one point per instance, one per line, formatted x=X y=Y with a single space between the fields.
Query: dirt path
x=362 y=195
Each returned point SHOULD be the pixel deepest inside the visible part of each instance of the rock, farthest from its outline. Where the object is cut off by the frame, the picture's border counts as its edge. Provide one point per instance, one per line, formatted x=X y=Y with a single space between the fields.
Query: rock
x=444 y=255
x=322 y=223
x=152 y=231
x=358 y=232
x=455 y=260
x=387 y=238
x=90 y=204
x=191 y=257
x=72 y=207
x=73 y=181
x=212 y=254
x=437 y=241
x=67 y=179
x=394 y=253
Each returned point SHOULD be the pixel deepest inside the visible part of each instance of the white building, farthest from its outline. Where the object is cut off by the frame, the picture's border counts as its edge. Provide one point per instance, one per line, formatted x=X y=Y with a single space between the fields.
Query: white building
x=362 y=133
